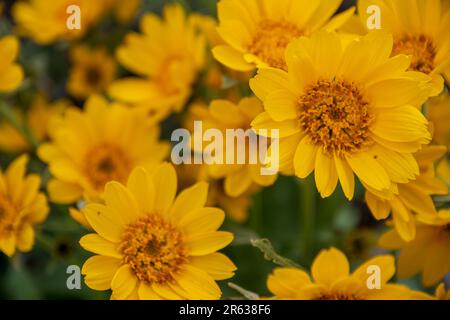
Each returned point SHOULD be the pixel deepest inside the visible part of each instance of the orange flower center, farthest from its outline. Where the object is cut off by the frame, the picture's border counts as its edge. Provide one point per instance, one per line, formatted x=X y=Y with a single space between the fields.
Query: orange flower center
x=335 y=115
x=420 y=47
x=106 y=163
x=93 y=76
x=154 y=249
x=8 y=215
x=271 y=39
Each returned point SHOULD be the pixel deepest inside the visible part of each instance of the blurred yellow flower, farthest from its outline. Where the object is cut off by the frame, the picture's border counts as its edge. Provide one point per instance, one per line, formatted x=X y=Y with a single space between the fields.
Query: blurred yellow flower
x=413 y=197
x=124 y=10
x=332 y=280
x=257 y=32
x=439 y=116
x=168 y=55
x=46 y=21
x=91 y=147
x=11 y=74
x=420 y=29
x=345 y=109
x=223 y=115
x=441 y=293
x=21 y=207
x=153 y=245
x=236 y=208
x=92 y=71
x=428 y=253
x=36 y=119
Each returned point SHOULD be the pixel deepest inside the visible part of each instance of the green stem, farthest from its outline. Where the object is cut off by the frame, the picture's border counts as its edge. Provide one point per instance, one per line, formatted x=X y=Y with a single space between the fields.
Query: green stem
x=8 y=114
x=307 y=197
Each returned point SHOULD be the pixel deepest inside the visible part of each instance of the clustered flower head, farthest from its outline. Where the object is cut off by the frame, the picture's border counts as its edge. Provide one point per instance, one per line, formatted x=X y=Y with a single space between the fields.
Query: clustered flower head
x=351 y=101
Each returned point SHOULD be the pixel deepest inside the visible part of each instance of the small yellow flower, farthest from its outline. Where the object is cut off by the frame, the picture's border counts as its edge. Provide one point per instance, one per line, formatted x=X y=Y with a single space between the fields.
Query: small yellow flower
x=343 y=109
x=441 y=293
x=92 y=72
x=21 y=207
x=331 y=280
x=420 y=30
x=153 y=245
x=46 y=21
x=223 y=115
x=11 y=74
x=167 y=55
x=103 y=143
x=37 y=120
x=428 y=253
x=411 y=198
x=257 y=32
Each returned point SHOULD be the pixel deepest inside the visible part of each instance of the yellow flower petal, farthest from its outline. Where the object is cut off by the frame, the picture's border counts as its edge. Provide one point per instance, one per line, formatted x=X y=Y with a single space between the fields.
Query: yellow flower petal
x=329 y=266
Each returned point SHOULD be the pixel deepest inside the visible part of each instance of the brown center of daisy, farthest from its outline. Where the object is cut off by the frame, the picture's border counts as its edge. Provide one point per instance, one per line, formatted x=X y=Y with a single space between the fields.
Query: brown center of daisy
x=422 y=51
x=93 y=76
x=335 y=115
x=106 y=163
x=154 y=249
x=271 y=39
x=7 y=215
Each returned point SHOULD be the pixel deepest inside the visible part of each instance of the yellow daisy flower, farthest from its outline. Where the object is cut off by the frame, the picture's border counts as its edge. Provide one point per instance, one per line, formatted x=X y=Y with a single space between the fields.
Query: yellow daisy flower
x=331 y=280
x=223 y=115
x=153 y=245
x=21 y=207
x=343 y=110
x=428 y=253
x=11 y=74
x=37 y=120
x=443 y=169
x=46 y=21
x=168 y=55
x=413 y=197
x=420 y=30
x=257 y=32
x=92 y=71
x=441 y=293
x=103 y=143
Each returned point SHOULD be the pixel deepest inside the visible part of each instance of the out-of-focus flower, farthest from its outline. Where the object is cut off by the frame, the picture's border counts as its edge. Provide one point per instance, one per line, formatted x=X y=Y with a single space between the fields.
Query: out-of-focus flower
x=46 y=21
x=124 y=10
x=332 y=280
x=168 y=55
x=91 y=147
x=21 y=207
x=36 y=119
x=92 y=71
x=236 y=208
x=257 y=32
x=153 y=245
x=441 y=293
x=345 y=109
x=11 y=74
x=428 y=253
x=420 y=29
x=413 y=197
x=223 y=115
x=439 y=116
